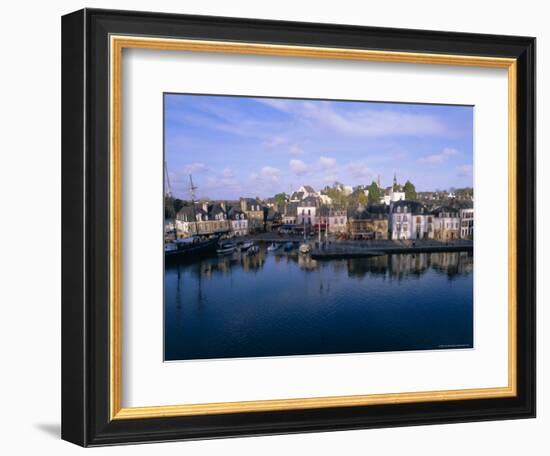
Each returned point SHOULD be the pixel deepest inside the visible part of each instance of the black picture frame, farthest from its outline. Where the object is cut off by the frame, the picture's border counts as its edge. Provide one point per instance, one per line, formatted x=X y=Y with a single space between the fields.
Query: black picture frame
x=85 y=227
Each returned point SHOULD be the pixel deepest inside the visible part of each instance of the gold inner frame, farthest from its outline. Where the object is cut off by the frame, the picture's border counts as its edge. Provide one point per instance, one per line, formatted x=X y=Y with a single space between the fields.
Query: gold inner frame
x=117 y=44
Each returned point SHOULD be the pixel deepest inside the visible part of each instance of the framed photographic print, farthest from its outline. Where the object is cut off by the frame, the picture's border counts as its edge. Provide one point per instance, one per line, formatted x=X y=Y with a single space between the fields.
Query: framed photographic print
x=279 y=227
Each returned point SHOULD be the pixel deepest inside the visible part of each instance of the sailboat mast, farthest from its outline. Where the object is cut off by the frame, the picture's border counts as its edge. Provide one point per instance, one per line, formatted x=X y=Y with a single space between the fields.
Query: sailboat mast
x=319 y=225
x=192 y=189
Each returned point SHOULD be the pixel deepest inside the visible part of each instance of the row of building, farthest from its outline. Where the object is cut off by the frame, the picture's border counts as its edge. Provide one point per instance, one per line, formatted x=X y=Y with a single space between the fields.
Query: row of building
x=401 y=219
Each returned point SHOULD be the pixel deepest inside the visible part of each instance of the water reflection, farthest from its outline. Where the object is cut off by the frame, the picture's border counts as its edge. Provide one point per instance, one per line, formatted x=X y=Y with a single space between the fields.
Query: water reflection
x=277 y=304
x=391 y=266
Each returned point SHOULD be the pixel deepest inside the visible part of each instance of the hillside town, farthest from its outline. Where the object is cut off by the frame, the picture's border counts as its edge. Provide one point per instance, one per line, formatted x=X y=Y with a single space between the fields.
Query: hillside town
x=337 y=212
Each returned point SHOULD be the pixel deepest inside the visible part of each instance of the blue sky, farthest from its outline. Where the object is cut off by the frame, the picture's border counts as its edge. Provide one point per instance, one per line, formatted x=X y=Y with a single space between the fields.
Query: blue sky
x=243 y=146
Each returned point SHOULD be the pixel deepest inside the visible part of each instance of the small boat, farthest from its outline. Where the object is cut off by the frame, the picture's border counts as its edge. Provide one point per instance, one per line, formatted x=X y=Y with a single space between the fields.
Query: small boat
x=246 y=245
x=305 y=248
x=226 y=248
x=274 y=247
x=189 y=247
x=253 y=250
x=289 y=246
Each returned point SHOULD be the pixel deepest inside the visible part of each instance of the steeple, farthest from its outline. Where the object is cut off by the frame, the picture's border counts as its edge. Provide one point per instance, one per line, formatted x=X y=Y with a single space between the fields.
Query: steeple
x=394 y=181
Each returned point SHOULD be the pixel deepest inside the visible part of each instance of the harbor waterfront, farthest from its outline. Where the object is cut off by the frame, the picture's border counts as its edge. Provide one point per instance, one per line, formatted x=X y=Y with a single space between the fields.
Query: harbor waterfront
x=278 y=302
x=307 y=227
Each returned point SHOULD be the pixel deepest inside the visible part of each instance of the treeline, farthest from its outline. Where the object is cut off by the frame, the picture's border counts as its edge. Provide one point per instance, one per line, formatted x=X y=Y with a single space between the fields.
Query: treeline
x=172 y=206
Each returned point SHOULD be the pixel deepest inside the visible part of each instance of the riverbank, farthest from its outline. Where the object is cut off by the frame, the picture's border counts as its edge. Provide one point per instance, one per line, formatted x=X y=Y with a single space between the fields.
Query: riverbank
x=354 y=249
x=357 y=249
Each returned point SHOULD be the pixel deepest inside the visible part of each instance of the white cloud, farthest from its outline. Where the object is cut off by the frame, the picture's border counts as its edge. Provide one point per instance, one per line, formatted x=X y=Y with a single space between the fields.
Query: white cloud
x=365 y=122
x=359 y=170
x=268 y=173
x=295 y=150
x=195 y=168
x=298 y=167
x=327 y=162
x=439 y=158
x=228 y=172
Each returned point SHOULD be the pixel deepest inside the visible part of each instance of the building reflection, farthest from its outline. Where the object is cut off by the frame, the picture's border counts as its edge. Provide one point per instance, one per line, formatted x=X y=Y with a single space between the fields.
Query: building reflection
x=393 y=266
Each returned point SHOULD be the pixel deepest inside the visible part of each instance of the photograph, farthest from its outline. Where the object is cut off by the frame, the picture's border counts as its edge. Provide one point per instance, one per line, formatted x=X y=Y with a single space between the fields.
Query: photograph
x=268 y=227
x=315 y=227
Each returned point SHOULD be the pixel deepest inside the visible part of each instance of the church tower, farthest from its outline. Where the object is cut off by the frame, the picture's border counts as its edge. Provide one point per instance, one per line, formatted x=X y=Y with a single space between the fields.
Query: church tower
x=394 y=182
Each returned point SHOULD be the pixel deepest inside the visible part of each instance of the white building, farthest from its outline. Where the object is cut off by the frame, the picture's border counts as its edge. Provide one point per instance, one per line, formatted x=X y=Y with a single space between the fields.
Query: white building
x=393 y=194
x=337 y=221
x=446 y=223
x=333 y=220
x=324 y=199
x=467 y=223
x=409 y=220
x=306 y=212
x=239 y=222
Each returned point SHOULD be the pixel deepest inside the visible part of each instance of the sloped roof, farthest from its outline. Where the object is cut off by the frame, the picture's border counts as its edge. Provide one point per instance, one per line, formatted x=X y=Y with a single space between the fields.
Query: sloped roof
x=309 y=201
x=413 y=207
x=445 y=209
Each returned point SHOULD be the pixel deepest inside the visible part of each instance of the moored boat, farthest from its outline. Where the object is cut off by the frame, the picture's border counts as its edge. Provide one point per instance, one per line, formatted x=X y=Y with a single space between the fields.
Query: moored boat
x=289 y=246
x=253 y=250
x=246 y=245
x=226 y=248
x=188 y=247
x=274 y=247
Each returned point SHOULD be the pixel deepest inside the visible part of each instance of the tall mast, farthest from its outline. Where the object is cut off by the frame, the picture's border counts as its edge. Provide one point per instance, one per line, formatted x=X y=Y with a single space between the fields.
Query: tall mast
x=192 y=189
x=319 y=225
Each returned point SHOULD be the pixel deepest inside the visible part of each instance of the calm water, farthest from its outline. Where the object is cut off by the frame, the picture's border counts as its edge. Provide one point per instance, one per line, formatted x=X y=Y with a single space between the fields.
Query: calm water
x=288 y=304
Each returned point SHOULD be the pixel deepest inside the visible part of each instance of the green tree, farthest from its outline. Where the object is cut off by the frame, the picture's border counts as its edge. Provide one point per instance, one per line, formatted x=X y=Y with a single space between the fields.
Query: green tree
x=169 y=207
x=362 y=198
x=280 y=198
x=410 y=191
x=172 y=206
x=178 y=204
x=338 y=197
x=374 y=192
